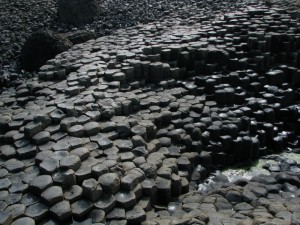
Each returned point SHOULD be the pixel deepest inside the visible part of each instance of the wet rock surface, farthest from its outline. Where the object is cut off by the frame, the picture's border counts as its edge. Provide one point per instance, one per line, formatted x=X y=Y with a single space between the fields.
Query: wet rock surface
x=261 y=199
x=122 y=129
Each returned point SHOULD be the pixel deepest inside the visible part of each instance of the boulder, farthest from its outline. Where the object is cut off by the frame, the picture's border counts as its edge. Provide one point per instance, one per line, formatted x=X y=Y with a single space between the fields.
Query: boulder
x=77 y=12
x=42 y=46
x=80 y=36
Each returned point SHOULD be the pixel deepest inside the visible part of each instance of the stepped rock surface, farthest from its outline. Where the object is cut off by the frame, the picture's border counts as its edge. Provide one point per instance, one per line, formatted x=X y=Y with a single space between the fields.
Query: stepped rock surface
x=122 y=129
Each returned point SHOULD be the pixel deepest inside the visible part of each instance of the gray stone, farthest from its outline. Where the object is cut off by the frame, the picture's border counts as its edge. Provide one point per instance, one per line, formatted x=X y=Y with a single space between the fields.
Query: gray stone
x=150 y=170
x=41 y=137
x=104 y=143
x=30 y=173
x=97 y=215
x=61 y=145
x=78 y=12
x=5 y=183
x=107 y=126
x=27 y=151
x=129 y=182
x=40 y=183
x=18 y=187
x=138 y=141
x=165 y=172
x=80 y=36
x=49 y=166
x=163 y=190
x=126 y=156
x=3 y=194
x=13 y=198
x=65 y=179
x=14 y=165
x=106 y=202
x=296 y=217
x=52 y=195
x=61 y=211
x=41 y=156
x=165 y=141
x=125 y=199
x=136 y=215
x=140 y=131
x=67 y=122
x=91 y=189
x=82 y=152
x=83 y=173
x=258 y=191
x=70 y=162
x=59 y=155
x=99 y=170
x=124 y=145
x=81 y=208
x=234 y=197
x=116 y=214
x=149 y=187
x=37 y=211
x=76 y=130
x=243 y=206
x=29 y=199
x=16 y=210
x=7 y=152
x=110 y=183
x=138 y=191
x=33 y=128
x=117 y=222
x=137 y=172
x=73 y=194
x=24 y=221
x=140 y=151
x=44 y=119
x=91 y=128
x=5 y=218
x=145 y=204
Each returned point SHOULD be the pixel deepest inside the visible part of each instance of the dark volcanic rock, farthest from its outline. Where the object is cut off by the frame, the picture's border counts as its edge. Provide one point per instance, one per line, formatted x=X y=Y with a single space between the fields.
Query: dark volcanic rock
x=40 y=47
x=80 y=36
x=77 y=12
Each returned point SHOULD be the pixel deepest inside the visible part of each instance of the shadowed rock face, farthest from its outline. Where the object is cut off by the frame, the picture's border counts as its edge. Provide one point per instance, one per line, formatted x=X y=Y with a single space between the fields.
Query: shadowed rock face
x=77 y=37
x=40 y=47
x=77 y=12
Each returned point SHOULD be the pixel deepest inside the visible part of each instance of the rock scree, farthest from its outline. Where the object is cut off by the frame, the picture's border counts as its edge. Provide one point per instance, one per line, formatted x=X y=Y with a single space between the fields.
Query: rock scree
x=78 y=12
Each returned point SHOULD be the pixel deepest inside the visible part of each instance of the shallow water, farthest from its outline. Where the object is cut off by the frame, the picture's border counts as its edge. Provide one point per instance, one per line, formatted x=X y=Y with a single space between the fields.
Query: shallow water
x=256 y=167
